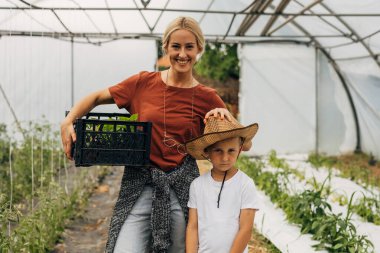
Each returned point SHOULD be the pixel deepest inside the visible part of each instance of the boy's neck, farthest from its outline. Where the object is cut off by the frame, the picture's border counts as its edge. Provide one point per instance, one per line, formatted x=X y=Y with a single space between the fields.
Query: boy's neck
x=218 y=175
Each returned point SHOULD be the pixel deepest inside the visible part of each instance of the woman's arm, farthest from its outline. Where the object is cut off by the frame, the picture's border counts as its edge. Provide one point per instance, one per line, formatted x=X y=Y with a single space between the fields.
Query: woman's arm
x=192 y=232
x=81 y=108
x=224 y=113
x=245 y=230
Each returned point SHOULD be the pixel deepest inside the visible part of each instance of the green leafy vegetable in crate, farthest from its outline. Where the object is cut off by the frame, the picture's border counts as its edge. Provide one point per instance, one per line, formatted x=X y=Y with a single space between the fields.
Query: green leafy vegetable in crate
x=108 y=127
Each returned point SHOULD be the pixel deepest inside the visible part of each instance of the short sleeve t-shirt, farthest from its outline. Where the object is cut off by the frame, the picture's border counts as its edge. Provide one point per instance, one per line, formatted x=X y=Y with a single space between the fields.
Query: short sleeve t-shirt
x=185 y=109
x=217 y=227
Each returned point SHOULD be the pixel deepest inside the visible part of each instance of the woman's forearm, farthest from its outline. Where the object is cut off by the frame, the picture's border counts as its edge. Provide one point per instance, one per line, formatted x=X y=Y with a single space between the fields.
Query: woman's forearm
x=87 y=103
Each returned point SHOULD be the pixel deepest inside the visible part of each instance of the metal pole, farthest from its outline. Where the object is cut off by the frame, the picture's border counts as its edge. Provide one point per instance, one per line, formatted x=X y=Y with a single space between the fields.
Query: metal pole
x=72 y=71
x=316 y=102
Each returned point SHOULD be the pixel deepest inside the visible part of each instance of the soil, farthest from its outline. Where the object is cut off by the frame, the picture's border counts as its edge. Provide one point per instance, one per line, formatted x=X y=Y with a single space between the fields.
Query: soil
x=89 y=232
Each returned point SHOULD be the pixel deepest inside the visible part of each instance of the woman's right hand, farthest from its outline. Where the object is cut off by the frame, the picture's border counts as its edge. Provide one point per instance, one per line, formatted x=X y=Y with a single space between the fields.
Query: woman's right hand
x=68 y=137
x=84 y=106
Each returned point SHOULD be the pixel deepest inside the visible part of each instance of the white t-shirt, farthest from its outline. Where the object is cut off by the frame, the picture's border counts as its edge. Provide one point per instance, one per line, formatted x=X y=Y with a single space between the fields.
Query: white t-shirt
x=217 y=227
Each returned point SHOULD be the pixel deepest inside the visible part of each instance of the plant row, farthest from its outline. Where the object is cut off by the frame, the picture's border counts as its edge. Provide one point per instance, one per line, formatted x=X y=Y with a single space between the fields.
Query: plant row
x=367 y=207
x=309 y=209
x=357 y=167
x=38 y=191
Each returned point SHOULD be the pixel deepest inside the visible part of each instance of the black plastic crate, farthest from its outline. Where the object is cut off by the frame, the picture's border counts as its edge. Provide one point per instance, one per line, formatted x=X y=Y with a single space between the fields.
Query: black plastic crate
x=105 y=139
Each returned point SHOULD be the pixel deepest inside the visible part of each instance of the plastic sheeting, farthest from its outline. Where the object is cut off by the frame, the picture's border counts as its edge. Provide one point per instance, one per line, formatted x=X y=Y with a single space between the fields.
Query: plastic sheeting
x=295 y=95
x=293 y=92
x=271 y=222
x=278 y=91
x=36 y=74
x=341 y=186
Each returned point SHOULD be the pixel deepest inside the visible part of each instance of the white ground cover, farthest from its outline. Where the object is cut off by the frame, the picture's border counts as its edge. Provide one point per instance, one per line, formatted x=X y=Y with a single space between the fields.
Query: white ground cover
x=271 y=222
x=340 y=185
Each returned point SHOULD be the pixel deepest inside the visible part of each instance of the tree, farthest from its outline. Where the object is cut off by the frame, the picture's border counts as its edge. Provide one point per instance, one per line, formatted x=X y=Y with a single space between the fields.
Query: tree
x=219 y=62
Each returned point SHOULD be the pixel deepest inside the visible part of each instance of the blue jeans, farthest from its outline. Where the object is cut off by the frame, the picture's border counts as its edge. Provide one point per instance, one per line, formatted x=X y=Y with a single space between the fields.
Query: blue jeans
x=136 y=234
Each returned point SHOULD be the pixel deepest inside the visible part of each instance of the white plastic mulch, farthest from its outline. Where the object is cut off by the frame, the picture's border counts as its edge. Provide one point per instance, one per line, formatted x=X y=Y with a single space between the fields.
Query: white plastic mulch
x=340 y=185
x=271 y=222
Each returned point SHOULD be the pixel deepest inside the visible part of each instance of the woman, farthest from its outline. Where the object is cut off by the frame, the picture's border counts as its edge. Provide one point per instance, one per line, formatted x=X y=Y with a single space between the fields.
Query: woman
x=151 y=211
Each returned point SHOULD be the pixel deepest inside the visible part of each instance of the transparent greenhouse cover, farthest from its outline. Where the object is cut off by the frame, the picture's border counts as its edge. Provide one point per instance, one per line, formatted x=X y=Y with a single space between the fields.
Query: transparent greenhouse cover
x=310 y=70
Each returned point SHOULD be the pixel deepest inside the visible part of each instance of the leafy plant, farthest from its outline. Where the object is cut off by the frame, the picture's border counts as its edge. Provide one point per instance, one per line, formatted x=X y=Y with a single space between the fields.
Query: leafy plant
x=356 y=167
x=219 y=62
x=309 y=209
x=368 y=208
x=41 y=202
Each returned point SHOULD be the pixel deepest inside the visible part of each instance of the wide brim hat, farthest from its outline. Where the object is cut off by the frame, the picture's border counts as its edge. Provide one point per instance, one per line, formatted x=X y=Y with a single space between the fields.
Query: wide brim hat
x=216 y=130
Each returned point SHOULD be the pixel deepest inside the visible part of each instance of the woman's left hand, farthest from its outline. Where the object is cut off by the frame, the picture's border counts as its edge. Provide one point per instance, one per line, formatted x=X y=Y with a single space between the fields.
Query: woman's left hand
x=222 y=112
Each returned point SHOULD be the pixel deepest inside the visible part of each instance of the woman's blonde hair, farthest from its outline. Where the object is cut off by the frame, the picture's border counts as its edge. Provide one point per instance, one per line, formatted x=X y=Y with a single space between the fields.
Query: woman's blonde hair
x=188 y=24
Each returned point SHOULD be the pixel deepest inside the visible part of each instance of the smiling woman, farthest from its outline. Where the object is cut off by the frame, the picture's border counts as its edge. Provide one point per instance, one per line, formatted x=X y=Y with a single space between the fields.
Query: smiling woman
x=151 y=211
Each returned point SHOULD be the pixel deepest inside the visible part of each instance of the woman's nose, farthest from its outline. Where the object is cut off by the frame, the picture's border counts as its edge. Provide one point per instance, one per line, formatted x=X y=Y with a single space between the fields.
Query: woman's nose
x=182 y=53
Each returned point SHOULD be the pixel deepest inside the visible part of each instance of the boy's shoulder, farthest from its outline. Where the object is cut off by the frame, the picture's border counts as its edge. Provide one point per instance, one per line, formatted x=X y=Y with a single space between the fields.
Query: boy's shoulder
x=245 y=179
x=244 y=176
x=201 y=179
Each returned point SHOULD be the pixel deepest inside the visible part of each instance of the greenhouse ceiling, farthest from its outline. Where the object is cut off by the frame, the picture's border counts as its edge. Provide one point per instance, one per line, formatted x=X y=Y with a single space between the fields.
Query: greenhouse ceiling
x=344 y=30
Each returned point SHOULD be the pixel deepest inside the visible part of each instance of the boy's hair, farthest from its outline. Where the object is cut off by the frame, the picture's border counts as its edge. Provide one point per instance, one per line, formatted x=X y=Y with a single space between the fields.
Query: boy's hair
x=241 y=142
x=216 y=130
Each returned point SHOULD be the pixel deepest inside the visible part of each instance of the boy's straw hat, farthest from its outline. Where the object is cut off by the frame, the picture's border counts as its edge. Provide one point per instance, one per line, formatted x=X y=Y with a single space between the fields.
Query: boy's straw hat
x=216 y=130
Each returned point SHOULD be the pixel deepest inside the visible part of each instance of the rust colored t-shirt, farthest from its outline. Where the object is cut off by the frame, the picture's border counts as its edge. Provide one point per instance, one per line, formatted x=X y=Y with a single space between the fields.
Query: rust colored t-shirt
x=143 y=93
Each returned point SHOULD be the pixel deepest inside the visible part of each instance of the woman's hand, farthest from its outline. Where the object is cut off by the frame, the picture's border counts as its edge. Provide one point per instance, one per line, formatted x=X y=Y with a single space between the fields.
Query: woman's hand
x=222 y=112
x=68 y=137
x=84 y=106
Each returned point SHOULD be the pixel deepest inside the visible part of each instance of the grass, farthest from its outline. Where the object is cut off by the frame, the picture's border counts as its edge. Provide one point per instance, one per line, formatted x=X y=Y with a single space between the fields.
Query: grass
x=260 y=244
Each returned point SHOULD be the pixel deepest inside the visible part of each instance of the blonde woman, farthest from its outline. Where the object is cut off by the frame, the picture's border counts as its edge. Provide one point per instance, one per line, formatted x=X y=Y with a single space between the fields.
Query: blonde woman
x=151 y=212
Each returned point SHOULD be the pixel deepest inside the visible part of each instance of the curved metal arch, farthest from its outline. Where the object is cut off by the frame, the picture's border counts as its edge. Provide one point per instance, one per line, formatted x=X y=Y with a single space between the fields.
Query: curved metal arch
x=55 y=14
x=354 y=33
x=339 y=73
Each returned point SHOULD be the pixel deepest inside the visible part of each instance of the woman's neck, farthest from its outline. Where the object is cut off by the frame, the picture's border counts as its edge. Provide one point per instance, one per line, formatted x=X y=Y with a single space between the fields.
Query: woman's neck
x=182 y=80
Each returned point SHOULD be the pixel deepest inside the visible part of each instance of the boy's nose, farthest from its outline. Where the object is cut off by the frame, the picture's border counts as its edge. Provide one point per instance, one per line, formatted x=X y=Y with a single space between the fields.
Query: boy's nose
x=225 y=157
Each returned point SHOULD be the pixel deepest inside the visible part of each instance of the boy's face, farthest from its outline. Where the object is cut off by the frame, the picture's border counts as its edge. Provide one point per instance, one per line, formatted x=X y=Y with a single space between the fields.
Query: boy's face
x=223 y=154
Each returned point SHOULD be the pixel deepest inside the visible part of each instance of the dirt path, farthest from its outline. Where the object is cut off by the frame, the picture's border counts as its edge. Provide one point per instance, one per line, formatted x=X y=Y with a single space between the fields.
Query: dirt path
x=89 y=233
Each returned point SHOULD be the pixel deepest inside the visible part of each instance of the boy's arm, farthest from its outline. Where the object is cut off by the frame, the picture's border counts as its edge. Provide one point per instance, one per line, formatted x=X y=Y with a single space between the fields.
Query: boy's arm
x=192 y=232
x=245 y=230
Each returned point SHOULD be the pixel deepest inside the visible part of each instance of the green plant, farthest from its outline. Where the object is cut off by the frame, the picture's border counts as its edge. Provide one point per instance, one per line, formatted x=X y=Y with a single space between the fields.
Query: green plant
x=318 y=160
x=309 y=209
x=368 y=208
x=338 y=234
x=4 y=144
x=219 y=62
x=356 y=167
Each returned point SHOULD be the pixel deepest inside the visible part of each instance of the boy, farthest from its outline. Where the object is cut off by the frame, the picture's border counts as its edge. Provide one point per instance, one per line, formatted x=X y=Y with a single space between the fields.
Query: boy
x=222 y=202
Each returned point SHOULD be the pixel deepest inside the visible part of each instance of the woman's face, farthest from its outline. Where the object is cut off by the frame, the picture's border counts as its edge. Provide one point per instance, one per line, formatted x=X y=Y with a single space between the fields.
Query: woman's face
x=182 y=50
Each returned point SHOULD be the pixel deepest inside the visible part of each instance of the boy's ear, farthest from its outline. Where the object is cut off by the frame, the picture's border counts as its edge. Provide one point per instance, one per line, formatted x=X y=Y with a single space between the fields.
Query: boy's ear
x=206 y=152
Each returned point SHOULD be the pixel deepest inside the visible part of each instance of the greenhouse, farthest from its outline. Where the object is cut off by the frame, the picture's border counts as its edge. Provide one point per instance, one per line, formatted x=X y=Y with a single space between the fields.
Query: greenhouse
x=308 y=71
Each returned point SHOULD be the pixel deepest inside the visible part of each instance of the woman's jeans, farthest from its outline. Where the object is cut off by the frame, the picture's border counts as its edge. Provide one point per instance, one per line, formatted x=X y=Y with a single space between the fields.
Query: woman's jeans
x=136 y=233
